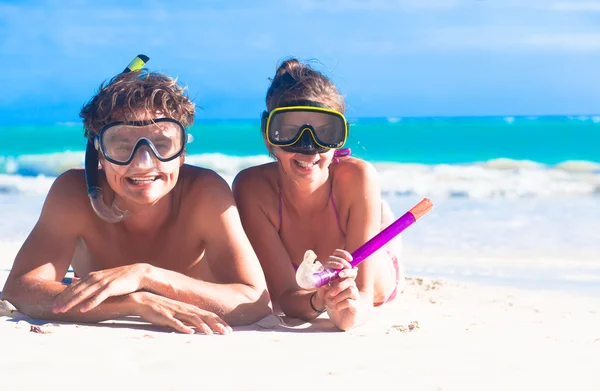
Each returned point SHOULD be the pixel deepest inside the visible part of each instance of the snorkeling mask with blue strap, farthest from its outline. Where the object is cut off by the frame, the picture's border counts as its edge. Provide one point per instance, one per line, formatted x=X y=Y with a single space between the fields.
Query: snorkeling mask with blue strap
x=119 y=143
x=305 y=127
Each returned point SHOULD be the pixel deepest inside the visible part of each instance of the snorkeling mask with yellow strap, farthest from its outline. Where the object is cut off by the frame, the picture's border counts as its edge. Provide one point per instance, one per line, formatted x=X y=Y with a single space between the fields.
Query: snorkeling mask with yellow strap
x=119 y=143
x=305 y=127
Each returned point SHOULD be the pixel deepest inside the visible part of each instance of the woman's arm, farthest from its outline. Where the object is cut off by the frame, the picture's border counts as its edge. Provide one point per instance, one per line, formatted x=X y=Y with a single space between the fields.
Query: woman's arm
x=250 y=189
x=357 y=180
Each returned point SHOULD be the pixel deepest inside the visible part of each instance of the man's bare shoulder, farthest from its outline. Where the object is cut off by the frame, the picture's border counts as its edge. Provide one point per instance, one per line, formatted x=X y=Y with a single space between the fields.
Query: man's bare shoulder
x=69 y=189
x=201 y=181
x=67 y=203
x=204 y=191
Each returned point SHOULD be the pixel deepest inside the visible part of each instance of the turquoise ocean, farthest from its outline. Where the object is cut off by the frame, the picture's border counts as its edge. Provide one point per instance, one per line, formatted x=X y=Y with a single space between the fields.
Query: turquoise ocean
x=517 y=199
x=456 y=140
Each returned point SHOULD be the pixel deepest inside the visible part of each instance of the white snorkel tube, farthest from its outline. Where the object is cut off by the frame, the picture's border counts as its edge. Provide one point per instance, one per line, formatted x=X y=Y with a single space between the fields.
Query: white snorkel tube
x=110 y=214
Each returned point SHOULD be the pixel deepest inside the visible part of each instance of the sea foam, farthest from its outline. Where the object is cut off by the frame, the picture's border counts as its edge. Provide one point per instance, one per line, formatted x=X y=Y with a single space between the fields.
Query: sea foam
x=498 y=178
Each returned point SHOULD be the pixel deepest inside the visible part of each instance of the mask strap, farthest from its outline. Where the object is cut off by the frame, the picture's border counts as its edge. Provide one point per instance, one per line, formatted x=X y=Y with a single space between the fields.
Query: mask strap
x=339 y=153
x=111 y=214
x=91 y=161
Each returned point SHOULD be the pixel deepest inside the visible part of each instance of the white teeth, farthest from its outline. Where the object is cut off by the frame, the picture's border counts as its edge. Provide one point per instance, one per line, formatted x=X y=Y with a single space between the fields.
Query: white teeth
x=305 y=164
x=144 y=180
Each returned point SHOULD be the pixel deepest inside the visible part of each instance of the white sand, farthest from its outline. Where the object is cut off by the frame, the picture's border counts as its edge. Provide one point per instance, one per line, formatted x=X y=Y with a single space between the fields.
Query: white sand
x=468 y=338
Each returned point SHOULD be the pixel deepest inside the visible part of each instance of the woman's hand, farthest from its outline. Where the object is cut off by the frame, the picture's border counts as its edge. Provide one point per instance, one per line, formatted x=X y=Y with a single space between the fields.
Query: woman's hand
x=342 y=293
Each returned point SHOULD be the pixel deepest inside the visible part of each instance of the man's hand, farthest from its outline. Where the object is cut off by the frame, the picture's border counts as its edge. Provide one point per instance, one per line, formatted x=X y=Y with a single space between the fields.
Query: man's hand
x=163 y=311
x=98 y=286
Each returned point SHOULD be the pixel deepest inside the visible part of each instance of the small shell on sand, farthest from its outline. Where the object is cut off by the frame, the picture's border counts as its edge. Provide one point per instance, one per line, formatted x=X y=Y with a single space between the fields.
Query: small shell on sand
x=39 y=330
x=24 y=325
x=407 y=328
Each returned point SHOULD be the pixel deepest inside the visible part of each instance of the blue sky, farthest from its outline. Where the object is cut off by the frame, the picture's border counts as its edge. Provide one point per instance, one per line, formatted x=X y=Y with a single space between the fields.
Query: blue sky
x=388 y=57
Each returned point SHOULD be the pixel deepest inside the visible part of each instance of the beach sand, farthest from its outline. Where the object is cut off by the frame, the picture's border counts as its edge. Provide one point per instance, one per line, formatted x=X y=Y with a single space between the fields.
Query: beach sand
x=437 y=335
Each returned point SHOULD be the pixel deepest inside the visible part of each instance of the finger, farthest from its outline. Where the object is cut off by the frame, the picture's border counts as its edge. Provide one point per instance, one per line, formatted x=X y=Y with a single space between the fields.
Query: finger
x=350 y=293
x=348 y=304
x=60 y=299
x=337 y=263
x=349 y=273
x=340 y=285
x=69 y=298
x=96 y=300
x=340 y=253
x=195 y=321
x=178 y=325
x=217 y=324
x=204 y=329
x=80 y=297
x=76 y=287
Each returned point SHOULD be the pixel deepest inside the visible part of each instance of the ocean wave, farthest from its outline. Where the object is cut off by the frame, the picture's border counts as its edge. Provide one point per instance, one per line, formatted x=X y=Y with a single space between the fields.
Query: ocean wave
x=493 y=179
x=498 y=178
x=16 y=184
x=52 y=164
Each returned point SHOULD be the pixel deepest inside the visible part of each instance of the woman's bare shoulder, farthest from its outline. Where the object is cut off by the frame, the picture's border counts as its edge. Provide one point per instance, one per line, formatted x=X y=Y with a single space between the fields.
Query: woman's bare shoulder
x=351 y=171
x=256 y=180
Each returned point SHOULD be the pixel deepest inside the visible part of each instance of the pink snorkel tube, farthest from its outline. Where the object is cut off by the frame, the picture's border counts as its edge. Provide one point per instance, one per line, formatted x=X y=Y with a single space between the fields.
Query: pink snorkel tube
x=311 y=274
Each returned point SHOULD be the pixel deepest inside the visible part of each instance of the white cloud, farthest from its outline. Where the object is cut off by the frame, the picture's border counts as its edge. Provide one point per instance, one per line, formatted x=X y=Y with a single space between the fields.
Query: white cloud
x=566 y=42
x=373 y=5
x=576 y=6
x=341 y=6
x=510 y=39
x=491 y=39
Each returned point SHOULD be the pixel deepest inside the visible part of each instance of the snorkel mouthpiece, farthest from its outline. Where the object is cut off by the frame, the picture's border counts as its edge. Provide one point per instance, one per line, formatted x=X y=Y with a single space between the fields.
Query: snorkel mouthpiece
x=110 y=214
x=311 y=274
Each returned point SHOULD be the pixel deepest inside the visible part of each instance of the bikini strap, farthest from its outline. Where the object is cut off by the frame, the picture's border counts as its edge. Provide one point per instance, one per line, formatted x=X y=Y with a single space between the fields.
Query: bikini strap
x=337 y=216
x=280 y=210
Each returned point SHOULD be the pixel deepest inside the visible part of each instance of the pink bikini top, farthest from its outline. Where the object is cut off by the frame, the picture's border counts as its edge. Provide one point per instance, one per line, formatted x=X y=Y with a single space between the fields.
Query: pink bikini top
x=338 y=153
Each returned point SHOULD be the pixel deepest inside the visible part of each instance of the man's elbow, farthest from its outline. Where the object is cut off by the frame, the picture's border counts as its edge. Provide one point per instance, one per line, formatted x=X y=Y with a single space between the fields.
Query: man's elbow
x=10 y=292
x=13 y=293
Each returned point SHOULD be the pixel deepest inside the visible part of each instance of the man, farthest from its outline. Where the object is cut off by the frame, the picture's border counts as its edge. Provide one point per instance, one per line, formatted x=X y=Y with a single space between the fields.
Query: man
x=160 y=239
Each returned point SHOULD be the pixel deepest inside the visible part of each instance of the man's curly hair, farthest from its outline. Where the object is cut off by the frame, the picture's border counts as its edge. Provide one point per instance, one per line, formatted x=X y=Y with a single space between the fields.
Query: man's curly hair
x=129 y=94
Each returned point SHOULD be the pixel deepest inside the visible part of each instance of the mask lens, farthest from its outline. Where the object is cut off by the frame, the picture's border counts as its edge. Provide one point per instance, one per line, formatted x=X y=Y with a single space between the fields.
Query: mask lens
x=286 y=126
x=120 y=140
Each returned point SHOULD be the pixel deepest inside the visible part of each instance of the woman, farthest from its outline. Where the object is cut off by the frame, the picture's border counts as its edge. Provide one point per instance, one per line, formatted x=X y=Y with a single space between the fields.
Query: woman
x=315 y=197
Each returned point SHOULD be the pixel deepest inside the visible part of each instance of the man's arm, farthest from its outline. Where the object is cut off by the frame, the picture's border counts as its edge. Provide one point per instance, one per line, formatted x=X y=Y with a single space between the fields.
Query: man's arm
x=44 y=258
x=239 y=295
